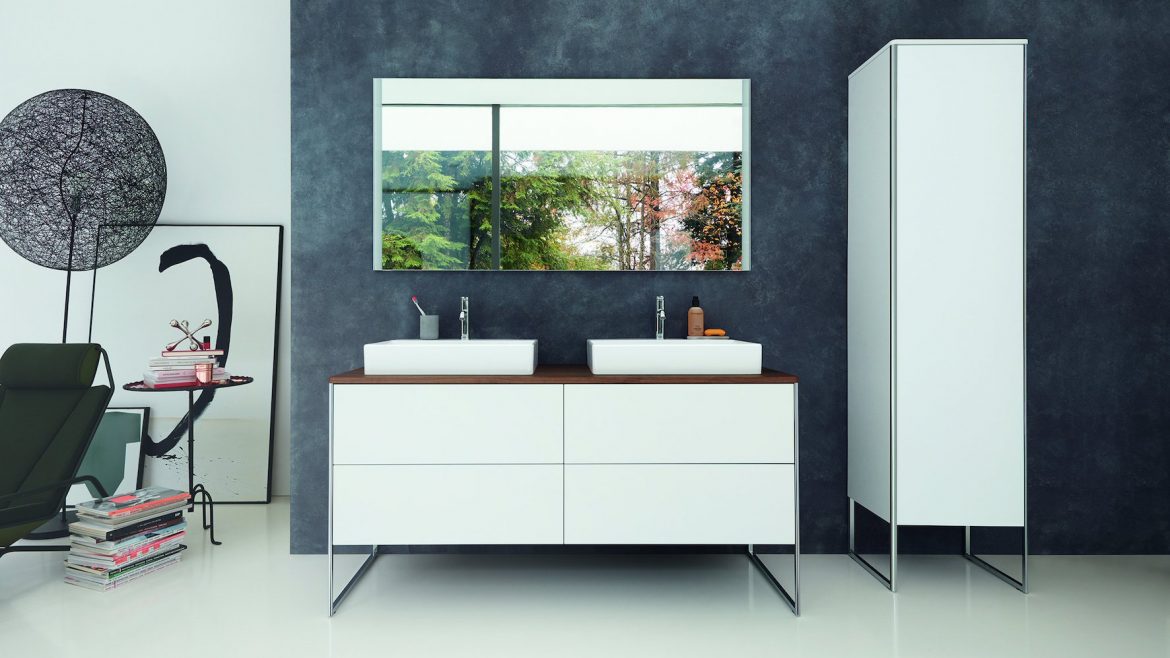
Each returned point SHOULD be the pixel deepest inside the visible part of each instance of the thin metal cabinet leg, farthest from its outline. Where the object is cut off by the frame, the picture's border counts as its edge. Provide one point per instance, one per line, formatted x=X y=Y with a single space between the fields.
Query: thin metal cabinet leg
x=1024 y=561
x=329 y=507
x=888 y=581
x=793 y=602
x=796 y=493
x=369 y=561
x=1021 y=584
x=349 y=585
x=852 y=541
x=893 y=557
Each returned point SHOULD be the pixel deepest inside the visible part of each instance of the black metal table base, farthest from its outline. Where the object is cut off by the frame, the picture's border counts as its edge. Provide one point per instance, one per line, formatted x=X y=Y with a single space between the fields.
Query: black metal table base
x=199 y=493
x=197 y=489
x=208 y=505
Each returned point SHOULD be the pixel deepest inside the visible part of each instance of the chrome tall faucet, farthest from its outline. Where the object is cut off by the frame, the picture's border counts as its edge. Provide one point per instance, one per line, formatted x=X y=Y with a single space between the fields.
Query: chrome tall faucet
x=464 y=320
x=660 y=318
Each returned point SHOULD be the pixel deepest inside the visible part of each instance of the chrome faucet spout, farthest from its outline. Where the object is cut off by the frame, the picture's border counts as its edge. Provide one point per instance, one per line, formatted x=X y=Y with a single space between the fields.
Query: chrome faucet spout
x=464 y=320
x=660 y=318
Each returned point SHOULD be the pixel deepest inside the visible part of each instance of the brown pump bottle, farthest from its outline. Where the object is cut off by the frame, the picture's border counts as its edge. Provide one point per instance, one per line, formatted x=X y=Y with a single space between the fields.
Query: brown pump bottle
x=695 y=318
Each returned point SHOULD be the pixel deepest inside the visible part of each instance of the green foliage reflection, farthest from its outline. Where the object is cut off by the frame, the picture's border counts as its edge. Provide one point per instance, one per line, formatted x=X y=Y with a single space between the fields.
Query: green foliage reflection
x=563 y=210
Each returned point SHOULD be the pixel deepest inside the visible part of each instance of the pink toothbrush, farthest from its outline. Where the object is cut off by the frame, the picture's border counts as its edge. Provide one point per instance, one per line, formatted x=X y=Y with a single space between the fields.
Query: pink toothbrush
x=414 y=299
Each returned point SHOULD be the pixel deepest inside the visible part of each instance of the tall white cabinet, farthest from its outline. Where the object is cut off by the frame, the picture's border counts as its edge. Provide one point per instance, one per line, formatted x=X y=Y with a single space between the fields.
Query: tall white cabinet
x=936 y=289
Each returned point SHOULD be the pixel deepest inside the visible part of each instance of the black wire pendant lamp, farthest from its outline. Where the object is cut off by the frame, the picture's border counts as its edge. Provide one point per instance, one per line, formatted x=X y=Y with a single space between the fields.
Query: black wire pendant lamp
x=75 y=164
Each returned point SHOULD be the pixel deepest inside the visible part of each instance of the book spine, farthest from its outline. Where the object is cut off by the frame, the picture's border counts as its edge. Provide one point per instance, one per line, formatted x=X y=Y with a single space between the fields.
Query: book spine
x=89 y=546
x=105 y=586
x=145 y=525
x=119 y=522
x=149 y=525
x=180 y=373
x=111 y=574
x=126 y=557
x=161 y=502
x=134 y=509
x=157 y=557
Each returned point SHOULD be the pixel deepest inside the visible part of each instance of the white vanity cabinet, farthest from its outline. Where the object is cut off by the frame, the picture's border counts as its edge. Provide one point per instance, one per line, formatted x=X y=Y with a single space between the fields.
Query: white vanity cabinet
x=679 y=464
x=936 y=288
x=564 y=457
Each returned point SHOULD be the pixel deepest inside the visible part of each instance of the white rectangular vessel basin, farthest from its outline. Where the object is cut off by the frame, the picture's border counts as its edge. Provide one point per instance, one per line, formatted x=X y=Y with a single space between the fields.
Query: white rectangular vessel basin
x=675 y=356
x=451 y=357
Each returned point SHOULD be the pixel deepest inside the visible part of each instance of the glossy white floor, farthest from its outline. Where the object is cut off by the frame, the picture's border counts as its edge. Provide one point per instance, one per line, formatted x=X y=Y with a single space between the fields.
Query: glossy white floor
x=249 y=597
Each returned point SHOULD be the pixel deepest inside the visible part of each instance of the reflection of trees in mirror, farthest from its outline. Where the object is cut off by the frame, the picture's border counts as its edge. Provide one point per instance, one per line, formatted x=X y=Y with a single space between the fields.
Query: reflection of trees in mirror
x=714 y=219
x=564 y=210
x=429 y=199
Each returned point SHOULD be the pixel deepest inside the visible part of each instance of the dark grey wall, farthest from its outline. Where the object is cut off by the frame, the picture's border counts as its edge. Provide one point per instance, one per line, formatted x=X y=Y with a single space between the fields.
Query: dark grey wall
x=1098 y=161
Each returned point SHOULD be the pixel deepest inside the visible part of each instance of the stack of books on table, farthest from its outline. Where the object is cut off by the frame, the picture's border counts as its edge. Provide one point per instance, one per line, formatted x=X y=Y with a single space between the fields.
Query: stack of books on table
x=121 y=538
x=177 y=369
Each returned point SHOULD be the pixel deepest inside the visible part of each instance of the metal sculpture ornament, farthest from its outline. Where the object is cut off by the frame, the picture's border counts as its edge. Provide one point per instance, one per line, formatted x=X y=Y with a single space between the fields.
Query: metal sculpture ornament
x=77 y=168
x=193 y=343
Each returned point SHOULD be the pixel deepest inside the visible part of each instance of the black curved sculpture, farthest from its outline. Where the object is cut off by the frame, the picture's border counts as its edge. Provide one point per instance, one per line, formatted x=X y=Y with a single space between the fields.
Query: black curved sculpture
x=73 y=162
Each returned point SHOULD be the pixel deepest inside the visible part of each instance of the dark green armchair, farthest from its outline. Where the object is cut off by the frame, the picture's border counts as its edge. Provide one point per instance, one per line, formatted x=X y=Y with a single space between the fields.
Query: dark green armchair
x=49 y=411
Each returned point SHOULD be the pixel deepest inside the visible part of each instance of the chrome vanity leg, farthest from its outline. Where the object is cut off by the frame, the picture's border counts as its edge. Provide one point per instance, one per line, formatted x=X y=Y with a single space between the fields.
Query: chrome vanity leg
x=366 y=564
x=792 y=600
x=333 y=603
x=329 y=509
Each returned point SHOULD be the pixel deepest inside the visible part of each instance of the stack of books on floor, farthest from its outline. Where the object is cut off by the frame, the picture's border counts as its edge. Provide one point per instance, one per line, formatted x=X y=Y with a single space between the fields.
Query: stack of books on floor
x=121 y=538
x=177 y=369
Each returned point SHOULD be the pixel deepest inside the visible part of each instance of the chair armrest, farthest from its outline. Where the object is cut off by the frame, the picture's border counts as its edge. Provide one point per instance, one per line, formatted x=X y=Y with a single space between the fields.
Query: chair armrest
x=57 y=485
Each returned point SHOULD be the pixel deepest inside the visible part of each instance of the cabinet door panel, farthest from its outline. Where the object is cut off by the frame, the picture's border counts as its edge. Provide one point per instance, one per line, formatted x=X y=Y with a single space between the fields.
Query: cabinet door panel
x=679 y=423
x=679 y=504
x=447 y=423
x=960 y=309
x=464 y=504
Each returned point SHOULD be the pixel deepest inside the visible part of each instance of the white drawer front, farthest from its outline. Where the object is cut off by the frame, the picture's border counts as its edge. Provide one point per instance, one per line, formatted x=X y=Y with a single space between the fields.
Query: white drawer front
x=679 y=423
x=447 y=423
x=509 y=504
x=679 y=504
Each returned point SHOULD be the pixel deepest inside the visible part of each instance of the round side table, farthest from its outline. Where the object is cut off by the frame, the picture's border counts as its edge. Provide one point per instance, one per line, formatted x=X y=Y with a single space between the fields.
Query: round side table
x=193 y=489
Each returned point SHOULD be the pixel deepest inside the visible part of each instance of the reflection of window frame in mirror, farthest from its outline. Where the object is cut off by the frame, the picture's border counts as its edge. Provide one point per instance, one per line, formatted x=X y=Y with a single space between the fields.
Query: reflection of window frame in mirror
x=688 y=209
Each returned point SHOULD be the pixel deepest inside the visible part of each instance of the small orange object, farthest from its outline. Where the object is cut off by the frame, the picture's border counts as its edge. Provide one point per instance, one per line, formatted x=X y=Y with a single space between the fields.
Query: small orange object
x=714 y=332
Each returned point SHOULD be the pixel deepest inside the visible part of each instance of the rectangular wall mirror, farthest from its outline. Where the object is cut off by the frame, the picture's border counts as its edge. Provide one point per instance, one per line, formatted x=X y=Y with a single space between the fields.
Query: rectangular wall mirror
x=558 y=174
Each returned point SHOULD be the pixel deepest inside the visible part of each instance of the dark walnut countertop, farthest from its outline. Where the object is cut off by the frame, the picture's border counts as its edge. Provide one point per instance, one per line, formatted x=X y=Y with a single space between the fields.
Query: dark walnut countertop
x=564 y=374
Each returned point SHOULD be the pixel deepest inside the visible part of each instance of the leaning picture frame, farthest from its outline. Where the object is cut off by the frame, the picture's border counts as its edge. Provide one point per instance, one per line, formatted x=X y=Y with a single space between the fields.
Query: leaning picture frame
x=115 y=456
x=229 y=274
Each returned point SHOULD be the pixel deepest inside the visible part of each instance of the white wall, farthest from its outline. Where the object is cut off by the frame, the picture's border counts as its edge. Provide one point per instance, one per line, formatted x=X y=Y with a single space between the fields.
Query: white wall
x=212 y=78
